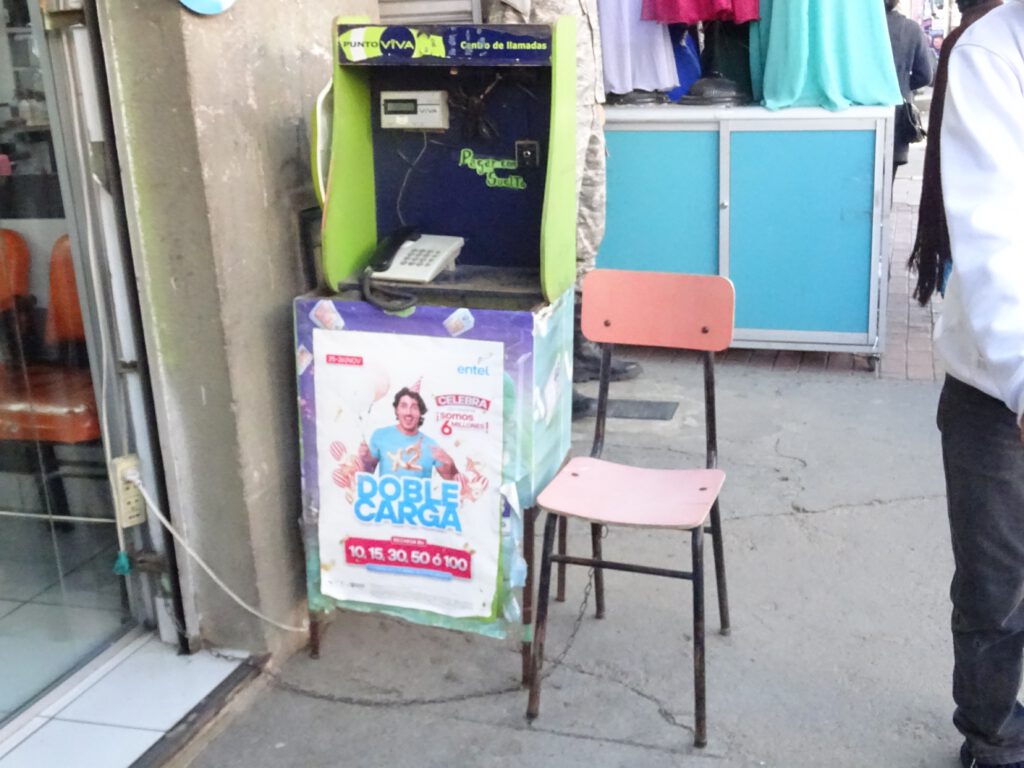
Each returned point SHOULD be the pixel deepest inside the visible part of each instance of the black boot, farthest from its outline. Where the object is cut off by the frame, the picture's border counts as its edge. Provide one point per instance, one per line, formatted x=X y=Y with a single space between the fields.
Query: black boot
x=582 y=406
x=586 y=359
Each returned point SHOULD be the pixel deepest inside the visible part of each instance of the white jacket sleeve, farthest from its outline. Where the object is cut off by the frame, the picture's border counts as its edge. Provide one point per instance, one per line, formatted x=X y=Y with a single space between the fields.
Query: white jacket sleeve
x=983 y=186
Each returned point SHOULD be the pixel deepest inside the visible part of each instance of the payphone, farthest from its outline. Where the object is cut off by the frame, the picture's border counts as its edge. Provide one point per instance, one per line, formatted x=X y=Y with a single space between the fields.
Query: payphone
x=434 y=363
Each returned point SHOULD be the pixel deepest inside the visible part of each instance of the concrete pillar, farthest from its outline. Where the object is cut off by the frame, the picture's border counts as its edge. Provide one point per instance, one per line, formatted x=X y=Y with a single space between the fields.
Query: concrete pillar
x=211 y=115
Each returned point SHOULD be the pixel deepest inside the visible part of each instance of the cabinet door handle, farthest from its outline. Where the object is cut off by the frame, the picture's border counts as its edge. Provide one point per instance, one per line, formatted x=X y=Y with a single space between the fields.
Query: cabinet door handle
x=724 y=204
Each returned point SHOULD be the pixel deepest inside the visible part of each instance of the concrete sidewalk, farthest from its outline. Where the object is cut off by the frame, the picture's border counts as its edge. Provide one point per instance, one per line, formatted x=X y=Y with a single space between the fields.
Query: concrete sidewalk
x=838 y=564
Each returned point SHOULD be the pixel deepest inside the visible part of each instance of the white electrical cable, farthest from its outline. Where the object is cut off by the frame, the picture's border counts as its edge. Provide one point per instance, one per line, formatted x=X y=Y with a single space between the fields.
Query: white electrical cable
x=134 y=479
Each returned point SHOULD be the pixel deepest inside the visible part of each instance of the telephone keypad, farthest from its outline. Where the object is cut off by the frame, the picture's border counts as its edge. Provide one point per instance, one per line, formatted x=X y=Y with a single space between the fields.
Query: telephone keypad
x=418 y=257
x=421 y=259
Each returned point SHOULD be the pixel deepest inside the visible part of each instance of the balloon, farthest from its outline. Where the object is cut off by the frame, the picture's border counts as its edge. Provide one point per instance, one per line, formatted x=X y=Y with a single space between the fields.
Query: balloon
x=357 y=397
x=380 y=379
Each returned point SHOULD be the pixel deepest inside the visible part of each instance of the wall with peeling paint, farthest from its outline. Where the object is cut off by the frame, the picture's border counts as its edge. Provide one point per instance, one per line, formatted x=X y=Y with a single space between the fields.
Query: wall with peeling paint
x=212 y=121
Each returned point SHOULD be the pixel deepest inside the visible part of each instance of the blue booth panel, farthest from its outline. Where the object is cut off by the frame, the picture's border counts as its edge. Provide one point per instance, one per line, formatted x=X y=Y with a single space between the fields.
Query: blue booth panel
x=805 y=266
x=662 y=201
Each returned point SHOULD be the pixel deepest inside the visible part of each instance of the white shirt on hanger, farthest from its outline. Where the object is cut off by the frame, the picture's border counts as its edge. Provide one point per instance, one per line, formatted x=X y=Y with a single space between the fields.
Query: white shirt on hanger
x=637 y=53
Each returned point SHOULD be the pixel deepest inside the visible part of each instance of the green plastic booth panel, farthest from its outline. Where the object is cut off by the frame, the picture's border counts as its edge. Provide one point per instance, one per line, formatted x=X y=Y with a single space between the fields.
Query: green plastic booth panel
x=349 y=233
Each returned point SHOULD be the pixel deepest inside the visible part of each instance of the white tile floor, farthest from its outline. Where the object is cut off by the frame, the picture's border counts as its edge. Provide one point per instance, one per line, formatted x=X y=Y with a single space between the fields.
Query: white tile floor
x=59 y=603
x=114 y=709
x=38 y=643
x=62 y=743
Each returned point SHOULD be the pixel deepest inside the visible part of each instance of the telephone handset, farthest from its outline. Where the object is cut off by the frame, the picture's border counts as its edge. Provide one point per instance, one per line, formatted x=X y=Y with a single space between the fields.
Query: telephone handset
x=406 y=256
x=409 y=257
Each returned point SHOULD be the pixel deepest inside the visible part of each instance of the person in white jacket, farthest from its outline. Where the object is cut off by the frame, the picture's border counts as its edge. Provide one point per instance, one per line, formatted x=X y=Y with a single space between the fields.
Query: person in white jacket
x=980 y=338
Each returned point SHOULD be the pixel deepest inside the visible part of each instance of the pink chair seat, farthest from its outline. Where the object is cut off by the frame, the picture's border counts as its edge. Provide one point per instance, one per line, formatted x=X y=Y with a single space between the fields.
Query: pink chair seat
x=618 y=494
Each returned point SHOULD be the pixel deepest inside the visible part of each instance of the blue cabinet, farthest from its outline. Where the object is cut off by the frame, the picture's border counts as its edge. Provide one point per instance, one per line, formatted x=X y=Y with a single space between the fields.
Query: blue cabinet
x=792 y=206
x=662 y=210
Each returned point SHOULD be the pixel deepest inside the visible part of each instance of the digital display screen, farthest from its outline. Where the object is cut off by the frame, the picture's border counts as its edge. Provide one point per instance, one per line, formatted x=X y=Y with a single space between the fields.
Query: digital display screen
x=400 y=106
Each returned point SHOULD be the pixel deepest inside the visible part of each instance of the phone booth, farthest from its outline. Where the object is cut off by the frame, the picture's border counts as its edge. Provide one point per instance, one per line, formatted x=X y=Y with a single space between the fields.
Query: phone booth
x=434 y=366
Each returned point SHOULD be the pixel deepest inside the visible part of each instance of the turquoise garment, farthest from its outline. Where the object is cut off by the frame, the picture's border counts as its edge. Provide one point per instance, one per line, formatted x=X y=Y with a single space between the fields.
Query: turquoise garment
x=822 y=53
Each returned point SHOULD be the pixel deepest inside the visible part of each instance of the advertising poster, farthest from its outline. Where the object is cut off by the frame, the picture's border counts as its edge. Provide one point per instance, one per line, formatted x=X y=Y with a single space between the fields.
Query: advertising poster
x=409 y=467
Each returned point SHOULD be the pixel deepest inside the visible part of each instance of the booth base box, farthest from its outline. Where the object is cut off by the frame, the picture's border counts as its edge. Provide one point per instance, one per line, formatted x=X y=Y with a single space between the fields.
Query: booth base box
x=424 y=438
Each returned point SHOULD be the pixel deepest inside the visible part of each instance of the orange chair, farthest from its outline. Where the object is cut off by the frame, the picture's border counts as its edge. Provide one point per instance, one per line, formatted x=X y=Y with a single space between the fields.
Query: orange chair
x=16 y=304
x=691 y=312
x=14 y=266
x=45 y=404
x=64 y=325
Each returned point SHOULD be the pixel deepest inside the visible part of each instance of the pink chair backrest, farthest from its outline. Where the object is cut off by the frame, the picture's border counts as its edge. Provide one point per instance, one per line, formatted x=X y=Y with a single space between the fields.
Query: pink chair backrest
x=656 y=309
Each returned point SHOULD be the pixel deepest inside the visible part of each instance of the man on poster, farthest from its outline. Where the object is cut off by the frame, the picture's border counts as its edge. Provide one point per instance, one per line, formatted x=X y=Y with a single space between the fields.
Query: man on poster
x=403 y=449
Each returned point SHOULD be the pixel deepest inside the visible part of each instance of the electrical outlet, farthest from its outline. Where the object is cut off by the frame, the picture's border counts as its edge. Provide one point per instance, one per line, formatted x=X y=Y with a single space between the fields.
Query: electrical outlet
x=527 y=153
x=128 y=501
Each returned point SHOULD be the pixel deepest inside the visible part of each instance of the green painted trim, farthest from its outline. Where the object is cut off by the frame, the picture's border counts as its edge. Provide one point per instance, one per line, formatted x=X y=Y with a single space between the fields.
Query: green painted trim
x=558 y=219
x=350 y=216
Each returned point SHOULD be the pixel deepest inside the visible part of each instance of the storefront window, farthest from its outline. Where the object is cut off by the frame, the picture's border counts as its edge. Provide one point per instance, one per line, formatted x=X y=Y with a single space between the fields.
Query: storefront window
x=60 y=601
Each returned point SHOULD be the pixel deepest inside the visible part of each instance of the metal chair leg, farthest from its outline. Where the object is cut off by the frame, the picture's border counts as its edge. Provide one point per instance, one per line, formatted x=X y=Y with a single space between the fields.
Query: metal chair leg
x=529 y=526
x=314 y=635
x=51 y=489
x=719 y=550
x=563 y=545
x=595 y=543
x=540 y=627
x=700 y=731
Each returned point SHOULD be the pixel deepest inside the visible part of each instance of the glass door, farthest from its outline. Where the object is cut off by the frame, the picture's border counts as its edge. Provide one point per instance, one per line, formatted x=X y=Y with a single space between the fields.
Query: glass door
x=61 y=403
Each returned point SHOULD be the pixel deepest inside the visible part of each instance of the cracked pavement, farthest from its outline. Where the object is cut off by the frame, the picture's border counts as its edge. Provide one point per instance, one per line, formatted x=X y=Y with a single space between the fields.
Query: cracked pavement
x=838 y=566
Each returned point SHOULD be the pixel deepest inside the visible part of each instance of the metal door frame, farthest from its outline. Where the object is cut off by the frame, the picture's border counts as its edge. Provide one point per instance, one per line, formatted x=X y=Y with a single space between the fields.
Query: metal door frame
x=78 y=102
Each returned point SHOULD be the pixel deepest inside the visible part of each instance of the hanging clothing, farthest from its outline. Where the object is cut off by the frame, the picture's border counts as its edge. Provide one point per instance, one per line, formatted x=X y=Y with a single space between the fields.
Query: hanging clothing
x=687 y=55
x=727 y=53
x=637 y=53
x=822 y=53
x=692 y=11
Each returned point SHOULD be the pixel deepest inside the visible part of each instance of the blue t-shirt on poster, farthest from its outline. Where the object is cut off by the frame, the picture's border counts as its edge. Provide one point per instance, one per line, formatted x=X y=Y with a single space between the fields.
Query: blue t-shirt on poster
x=404 y=455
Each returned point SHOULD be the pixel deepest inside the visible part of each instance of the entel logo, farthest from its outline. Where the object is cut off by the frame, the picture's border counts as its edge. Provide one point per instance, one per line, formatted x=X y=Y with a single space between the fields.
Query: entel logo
x=474 y=370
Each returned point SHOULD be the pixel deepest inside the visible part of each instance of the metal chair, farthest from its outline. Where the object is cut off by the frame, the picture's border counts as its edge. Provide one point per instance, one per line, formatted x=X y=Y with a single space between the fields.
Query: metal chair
x=689 y=312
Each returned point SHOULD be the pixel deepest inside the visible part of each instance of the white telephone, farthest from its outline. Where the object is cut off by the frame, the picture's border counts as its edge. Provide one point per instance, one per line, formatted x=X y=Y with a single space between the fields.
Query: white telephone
x=419 y=258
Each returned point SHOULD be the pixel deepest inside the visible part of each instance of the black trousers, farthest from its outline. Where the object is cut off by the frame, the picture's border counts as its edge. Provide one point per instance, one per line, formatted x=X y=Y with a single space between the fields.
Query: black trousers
x=984 y=464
